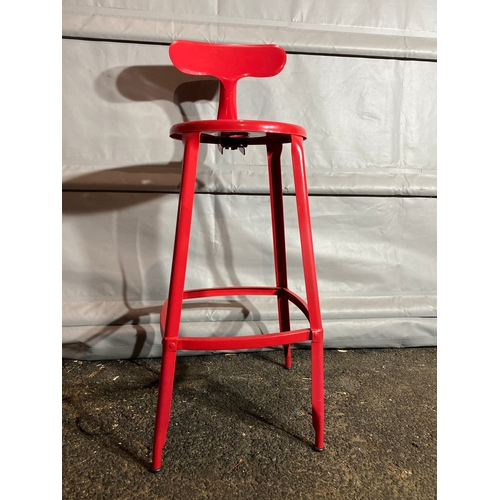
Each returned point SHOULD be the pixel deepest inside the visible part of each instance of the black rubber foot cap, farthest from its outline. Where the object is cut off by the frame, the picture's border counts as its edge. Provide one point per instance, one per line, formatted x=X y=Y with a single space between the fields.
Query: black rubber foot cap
x=288 y=367
x=154 y=471
x=317 y=449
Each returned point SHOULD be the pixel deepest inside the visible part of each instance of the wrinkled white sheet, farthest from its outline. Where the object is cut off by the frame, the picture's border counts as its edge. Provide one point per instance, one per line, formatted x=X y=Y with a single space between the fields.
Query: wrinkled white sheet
x=375 y=260
x=400 y=28
x=371 y=123
x=371 y=159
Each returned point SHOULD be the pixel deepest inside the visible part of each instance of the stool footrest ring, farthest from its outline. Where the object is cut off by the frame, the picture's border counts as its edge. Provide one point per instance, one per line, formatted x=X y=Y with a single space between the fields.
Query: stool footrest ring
x=248 y=290
x=239 y=342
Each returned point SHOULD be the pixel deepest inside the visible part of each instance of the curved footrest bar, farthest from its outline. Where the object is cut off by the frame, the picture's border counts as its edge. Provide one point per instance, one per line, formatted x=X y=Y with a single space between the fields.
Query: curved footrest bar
x=230 y=290
x=240 y=290
x=296 y=300
x=241 y=342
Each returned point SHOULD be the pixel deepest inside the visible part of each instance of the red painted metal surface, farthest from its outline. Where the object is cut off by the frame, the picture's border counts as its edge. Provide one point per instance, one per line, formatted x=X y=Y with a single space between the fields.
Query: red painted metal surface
x=278 y=225
x=229 y=63
x=259 y=131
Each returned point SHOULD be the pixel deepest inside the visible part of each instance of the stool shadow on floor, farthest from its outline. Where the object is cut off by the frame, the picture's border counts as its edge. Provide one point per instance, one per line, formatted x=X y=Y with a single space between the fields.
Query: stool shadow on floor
x=230 y=402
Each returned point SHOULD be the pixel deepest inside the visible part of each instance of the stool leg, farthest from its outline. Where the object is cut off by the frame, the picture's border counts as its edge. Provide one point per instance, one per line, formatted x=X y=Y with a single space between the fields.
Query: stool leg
x=175 y=296
x=164 y=403
x=278 y=224
x=306 y=242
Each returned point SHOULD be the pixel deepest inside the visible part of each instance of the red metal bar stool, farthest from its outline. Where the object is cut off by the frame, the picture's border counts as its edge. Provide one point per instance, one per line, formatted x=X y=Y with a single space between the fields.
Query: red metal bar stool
x=229 y=63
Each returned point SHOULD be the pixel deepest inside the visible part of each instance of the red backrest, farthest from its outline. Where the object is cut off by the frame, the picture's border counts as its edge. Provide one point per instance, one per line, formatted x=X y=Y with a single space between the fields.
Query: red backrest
x=228 y=63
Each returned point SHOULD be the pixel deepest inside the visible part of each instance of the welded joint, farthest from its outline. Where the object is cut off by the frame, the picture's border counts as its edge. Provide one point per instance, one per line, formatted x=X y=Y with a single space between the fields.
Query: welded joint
x=169 y=344
x=317 y=335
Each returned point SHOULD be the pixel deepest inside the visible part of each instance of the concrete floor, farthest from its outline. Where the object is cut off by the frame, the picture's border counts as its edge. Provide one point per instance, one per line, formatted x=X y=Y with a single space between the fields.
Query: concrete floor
x=241 y=428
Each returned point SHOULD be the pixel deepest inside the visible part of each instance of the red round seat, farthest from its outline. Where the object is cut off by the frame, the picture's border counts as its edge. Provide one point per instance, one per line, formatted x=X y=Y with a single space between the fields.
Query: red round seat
x=254 y=131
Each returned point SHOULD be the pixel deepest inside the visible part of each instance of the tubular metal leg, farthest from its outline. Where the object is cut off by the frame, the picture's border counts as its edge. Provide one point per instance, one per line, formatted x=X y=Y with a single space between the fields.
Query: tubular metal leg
x=306 y=241
x=278 y=225
x=176 y=292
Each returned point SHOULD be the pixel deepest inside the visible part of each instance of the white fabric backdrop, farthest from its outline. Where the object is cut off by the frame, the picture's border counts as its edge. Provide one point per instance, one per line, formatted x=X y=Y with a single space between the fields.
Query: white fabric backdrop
x=371 y=158
x=382 y=28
